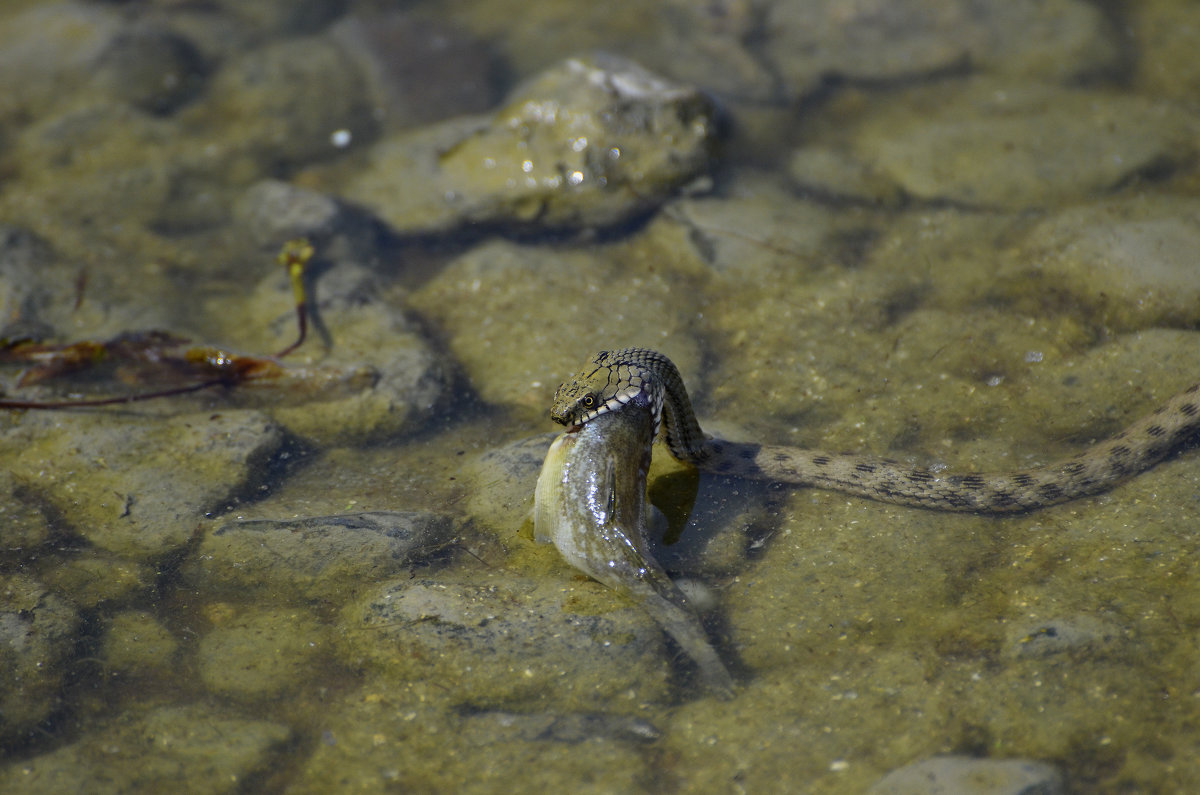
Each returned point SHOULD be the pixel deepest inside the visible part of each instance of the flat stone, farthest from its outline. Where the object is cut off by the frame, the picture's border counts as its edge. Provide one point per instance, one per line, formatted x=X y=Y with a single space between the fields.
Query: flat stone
x=403 y=735
x=343 y=386
x=25 y=526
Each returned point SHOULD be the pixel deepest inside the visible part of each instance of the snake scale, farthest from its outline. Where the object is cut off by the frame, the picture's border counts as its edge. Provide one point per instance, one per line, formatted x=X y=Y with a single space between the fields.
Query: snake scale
x=613 y=379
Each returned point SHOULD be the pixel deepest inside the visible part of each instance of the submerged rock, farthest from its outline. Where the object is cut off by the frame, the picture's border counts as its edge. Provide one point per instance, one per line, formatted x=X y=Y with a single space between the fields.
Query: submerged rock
x=960 y=775
x=509 y=641
x=319 y=557
x=137 y=486
x=589 y=143
x=263 y=655
x=38 y=632
x=1051 y=39
x=1132 y=263
x=580 y=297
x=154 y=751
x=137 y=644
x=1014 y=145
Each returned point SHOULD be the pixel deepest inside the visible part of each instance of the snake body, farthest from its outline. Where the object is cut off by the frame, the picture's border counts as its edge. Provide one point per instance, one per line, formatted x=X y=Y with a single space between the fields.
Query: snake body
x=613 y=379
x=591 y=503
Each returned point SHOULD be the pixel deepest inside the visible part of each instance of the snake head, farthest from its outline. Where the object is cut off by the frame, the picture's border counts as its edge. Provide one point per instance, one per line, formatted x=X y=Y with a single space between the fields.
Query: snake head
x=606 y=384
x=574 y=404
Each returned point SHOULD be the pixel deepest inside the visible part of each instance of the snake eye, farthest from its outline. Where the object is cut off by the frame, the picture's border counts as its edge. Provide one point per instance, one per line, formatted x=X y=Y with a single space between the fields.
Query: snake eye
x=589 y=401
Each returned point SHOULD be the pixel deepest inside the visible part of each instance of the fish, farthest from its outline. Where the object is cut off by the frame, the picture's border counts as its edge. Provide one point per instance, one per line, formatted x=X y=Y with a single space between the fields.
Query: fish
x=591 y=504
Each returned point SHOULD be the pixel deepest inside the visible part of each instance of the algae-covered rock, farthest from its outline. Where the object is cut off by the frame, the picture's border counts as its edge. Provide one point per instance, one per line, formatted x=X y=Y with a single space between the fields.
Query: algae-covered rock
x=137 y=486
x=263 y=654
x=588 y=143
x=319 y=557
x=154 y=751
x=151 y=68
x=1167 y=35
x=510 y=640
x=38 y=632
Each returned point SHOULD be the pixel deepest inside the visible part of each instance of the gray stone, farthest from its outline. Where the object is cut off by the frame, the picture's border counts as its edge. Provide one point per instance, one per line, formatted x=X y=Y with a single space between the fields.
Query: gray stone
x=572 y=728
x=321 y=557
x=395 y=49
x=960 y=775
x=273 y=212
x=22 y=294
x=587 y=144
x=38 y=632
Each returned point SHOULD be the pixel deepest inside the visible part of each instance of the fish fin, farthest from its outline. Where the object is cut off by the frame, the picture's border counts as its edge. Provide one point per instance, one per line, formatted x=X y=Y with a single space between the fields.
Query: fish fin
x=610 y=489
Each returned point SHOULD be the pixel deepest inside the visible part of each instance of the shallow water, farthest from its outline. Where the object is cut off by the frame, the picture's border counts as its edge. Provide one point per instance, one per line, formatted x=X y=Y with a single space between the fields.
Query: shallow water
x=956 y=235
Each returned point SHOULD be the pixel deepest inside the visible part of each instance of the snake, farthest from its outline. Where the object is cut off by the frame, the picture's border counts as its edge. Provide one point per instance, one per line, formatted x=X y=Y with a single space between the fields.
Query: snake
x=613 y=380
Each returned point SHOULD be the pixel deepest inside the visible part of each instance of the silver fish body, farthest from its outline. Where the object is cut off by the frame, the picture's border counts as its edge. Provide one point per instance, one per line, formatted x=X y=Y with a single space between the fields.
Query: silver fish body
x=591 y=504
